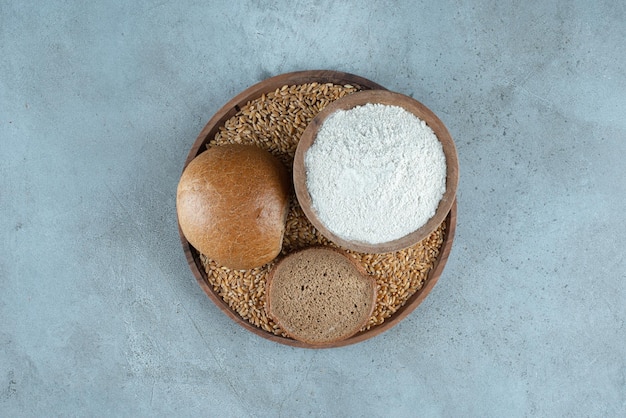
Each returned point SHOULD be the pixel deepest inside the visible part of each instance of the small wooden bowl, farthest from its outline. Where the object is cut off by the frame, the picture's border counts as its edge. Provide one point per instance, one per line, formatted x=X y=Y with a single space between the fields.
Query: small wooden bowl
x=385 y=97
x=193 y=256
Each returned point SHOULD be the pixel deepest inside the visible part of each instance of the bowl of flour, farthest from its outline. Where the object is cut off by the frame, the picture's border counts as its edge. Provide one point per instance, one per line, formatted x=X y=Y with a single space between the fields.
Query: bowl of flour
x=376 y=171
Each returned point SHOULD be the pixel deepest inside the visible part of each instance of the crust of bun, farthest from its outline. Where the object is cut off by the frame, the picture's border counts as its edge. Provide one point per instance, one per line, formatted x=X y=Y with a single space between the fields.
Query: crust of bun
x=232 y=203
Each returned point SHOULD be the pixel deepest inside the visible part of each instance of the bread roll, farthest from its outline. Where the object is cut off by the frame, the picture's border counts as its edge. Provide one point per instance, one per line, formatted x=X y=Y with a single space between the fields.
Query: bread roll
x=232 y=203
x=319 y=296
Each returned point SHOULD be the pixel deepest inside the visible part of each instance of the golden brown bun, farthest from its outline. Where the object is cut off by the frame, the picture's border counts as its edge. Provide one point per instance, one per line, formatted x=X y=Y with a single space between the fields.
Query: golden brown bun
x=232 y=203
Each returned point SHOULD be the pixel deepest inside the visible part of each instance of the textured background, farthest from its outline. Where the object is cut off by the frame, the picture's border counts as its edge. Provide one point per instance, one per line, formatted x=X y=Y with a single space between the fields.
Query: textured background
x=100 y=103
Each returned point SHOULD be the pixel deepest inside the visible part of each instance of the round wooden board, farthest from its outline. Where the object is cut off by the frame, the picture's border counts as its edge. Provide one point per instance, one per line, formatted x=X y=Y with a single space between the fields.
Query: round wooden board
x=208 y=133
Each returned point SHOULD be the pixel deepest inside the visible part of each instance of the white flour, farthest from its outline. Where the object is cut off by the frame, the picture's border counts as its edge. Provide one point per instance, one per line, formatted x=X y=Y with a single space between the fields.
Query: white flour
x=375 y=173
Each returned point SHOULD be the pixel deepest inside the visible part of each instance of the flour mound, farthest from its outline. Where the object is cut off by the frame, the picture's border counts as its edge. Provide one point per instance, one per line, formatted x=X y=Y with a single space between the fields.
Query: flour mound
x=375 y=173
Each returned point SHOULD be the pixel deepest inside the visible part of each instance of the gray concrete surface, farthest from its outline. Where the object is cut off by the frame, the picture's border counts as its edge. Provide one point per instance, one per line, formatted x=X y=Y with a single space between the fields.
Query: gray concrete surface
x=99 y=313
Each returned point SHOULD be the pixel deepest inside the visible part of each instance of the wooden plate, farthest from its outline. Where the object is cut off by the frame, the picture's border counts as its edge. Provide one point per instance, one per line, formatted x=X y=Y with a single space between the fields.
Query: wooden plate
x=208 y=133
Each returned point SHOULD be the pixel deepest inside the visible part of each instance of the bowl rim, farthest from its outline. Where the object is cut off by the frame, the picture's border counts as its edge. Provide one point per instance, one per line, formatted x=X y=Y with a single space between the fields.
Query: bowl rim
x=384 y=97
x=193 y=257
